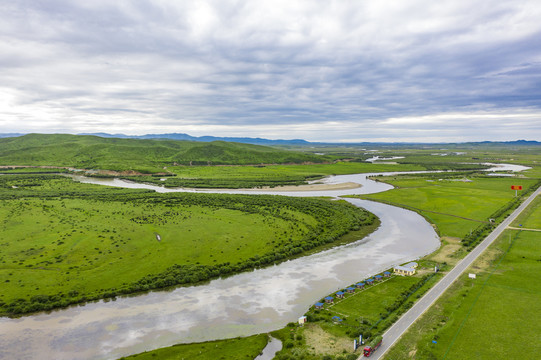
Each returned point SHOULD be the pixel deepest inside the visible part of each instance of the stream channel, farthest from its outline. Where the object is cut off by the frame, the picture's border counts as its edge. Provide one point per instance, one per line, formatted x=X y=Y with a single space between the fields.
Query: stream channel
x=248 y=303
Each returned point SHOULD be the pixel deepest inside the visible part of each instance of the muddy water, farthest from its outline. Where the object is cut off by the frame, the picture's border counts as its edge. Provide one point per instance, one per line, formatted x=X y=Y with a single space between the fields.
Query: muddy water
x=270 y=350
x=244 y=304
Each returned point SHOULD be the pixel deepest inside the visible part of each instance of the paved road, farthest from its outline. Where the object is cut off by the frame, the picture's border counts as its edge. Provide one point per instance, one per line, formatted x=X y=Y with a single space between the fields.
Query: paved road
x=395 y=331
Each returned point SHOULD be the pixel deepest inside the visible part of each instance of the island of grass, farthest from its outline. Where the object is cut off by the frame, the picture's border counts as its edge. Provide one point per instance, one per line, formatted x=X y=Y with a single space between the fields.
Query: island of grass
x=63 y=242
x=247 y=348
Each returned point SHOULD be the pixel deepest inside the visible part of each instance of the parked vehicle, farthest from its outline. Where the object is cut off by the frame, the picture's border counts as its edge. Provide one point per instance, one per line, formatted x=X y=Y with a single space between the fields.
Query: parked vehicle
x=372 y=346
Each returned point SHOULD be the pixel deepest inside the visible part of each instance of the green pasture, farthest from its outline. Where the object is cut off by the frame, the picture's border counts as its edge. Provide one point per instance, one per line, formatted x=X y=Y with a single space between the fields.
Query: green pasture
x=146 y=156
x=230 y=349
x=337 y=168
x=370 y=303
x=31 y=170
x=456 y=206
x=367 y=311
x=90 y=245
x=531 y=217
x=534 y=172
x=63 y=242
x=492 y=316
x=264 y=175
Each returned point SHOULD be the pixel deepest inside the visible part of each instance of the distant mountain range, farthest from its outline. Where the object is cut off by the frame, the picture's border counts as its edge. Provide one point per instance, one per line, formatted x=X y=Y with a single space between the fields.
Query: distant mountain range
x=268 y=142
x=179 y=136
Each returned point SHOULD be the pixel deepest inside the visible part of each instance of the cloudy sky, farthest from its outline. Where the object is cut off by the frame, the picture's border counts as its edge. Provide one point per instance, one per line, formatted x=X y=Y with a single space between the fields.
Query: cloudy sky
x=402 y=70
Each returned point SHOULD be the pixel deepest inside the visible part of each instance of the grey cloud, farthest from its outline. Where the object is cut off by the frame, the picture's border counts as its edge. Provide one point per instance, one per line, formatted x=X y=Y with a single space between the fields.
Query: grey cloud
x=195 y=65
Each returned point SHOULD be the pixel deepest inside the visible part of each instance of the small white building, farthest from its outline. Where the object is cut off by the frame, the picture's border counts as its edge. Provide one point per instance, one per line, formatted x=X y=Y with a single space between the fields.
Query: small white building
x=302 y=320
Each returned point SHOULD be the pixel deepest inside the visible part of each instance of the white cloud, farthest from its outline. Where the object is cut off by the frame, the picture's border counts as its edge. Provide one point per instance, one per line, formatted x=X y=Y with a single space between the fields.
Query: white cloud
x=280 y=67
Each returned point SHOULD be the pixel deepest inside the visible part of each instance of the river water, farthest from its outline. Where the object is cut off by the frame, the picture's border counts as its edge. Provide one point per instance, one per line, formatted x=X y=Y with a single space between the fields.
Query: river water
x=253 y=302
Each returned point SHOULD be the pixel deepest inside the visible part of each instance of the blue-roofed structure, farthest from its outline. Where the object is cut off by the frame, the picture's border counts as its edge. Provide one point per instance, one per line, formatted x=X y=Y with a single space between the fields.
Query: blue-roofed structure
x=340 y=294
x=329 y=299
x=378 y=277
x=386 y=274
x=360 y=285
x=369 y=281
x=350 y=289
x=319 y=305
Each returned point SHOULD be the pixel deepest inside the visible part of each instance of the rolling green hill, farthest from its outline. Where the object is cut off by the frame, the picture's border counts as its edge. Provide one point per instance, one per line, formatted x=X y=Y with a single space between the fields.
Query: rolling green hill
x=148 y=156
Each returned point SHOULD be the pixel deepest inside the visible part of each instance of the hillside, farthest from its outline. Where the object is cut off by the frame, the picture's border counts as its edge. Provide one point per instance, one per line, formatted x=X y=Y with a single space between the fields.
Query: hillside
x=148 y=155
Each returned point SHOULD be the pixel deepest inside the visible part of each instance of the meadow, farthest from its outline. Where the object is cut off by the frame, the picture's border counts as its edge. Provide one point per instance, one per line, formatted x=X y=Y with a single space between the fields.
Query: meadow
x=201 y=165
x=230 y=349
x=135 y=155
x=457 y=205
x=234 y=177
x=63 y=242
x=330 y=331
x=492 y=316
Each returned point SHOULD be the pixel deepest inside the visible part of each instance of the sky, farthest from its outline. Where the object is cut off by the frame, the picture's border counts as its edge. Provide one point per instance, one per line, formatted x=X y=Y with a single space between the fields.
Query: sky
x=334 y=71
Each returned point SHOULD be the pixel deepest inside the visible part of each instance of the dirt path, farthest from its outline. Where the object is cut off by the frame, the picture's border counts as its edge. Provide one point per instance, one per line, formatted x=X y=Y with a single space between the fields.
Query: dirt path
x=520 y=228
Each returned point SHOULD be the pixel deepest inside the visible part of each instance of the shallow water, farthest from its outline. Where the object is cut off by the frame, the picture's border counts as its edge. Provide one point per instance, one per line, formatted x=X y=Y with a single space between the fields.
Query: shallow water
x=274 y=345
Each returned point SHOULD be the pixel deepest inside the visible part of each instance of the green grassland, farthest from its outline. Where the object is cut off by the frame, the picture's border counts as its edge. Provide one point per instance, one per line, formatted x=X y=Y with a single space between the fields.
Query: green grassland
x=493 y=316
x=32 y=170
x=368 y=311
x=178 y=160
x=146 y=156
x=457 y=205
x=230 y=349
x=64 y=242
x=436 y=156
x=259 y=176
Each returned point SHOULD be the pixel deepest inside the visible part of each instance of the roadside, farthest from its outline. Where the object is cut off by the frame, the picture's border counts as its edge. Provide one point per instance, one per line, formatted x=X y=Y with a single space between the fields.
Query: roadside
x=401 y=326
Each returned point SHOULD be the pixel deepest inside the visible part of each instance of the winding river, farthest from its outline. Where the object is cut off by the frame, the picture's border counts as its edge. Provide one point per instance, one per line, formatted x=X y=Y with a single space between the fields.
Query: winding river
x=253 y=302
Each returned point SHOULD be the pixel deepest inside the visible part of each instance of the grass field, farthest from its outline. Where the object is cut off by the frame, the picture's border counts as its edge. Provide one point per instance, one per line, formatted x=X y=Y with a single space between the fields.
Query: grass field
x=456 y=206
x=146 y=156
x=492 y=316
x=329 y=332
x=230 y=349
x=259 y=176
x=63 y=242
